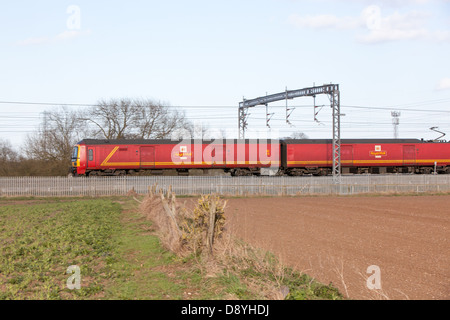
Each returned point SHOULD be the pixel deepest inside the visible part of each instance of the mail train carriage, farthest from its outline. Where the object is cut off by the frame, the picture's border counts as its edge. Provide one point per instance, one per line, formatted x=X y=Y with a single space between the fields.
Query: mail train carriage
x=258 y=157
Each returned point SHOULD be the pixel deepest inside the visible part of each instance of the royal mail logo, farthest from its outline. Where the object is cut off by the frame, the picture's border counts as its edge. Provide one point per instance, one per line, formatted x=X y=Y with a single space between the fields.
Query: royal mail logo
x=183 y=154
x=378 y=153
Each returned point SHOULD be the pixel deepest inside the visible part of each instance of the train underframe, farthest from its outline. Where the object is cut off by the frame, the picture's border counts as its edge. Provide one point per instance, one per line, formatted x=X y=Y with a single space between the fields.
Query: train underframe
x=235 y=172
x=298 y=171
x=323 y=171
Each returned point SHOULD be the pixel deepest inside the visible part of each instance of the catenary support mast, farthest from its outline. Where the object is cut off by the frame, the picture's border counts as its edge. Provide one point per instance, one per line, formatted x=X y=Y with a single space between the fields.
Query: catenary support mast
x=332 y=90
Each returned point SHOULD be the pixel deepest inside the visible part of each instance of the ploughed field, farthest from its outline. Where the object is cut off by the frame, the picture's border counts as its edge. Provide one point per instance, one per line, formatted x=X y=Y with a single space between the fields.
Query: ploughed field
x=370 y=247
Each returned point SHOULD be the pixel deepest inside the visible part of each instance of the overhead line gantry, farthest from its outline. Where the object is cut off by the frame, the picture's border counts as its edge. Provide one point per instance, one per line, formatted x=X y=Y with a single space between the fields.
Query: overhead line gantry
x=332 y=90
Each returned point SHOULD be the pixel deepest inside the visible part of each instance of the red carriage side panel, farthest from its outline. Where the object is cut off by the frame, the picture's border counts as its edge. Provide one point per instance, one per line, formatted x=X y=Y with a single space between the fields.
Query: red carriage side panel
x=116 y=156
x=307 y=154
x=408 y=153
x=366 y=153
x=431 y=152
x=146 y=157
x=225 y=154
x=382 y=154
x=185 y=155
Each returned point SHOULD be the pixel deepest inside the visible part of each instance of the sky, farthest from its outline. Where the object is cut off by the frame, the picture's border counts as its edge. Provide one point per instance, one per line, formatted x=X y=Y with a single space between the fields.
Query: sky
x=204 y=57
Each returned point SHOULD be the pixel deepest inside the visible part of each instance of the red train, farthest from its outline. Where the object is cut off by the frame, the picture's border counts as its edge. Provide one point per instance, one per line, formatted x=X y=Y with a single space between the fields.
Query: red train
x=256 y=157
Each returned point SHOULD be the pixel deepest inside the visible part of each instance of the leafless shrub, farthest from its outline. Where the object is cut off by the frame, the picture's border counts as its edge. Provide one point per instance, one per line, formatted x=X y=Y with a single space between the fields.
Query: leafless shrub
x=204 y=225
x=157 y=209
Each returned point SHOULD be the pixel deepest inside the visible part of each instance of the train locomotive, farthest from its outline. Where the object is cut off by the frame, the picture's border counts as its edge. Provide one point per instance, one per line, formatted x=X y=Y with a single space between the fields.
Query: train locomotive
x=246 y=157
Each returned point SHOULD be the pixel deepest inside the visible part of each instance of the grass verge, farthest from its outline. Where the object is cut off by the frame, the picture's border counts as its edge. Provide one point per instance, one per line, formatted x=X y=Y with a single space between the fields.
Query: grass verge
x=120 y=256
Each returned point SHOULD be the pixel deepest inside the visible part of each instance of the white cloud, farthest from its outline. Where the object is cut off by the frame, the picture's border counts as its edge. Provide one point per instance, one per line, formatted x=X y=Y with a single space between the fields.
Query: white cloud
x=66 y=35
x=444 y=84
x=407 y=26
x=376 y=27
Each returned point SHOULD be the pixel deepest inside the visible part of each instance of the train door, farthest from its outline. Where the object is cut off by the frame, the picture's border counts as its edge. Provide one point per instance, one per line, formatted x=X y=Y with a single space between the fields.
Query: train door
x=147 y=157
x=347 y=155
x=229 y=154
x=218 y=156
x=409 y=155
x=91 y=154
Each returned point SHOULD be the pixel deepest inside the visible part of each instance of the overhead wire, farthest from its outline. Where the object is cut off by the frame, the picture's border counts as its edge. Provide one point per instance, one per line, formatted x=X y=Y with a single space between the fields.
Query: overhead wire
x=363 y=110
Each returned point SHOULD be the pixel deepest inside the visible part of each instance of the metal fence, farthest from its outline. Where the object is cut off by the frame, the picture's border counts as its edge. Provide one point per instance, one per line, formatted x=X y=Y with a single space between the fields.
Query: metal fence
x=225 y=185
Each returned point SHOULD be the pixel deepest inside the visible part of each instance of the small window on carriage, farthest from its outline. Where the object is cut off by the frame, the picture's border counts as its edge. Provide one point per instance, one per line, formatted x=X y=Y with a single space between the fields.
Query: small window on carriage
x=91 y=155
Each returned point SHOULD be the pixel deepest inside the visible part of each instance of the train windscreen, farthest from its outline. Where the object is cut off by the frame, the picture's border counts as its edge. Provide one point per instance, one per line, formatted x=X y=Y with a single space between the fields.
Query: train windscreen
x=75 y=154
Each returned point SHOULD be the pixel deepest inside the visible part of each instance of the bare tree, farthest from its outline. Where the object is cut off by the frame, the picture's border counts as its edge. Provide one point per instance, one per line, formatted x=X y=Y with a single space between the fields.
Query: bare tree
x=8 y=158
x=112 y=119
x=7 y=153
x=298 y=135
x=49 y=149
x=157 y=121
x=191 y=130
x=54 y=139
x=134 y=119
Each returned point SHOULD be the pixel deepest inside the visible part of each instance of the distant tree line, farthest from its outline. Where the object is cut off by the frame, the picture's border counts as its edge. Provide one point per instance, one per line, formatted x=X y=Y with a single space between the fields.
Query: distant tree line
x=48 y=150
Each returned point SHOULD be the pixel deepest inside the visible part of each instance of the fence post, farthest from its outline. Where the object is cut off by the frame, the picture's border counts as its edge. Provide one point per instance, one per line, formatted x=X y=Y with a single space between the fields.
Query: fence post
x=212 y=219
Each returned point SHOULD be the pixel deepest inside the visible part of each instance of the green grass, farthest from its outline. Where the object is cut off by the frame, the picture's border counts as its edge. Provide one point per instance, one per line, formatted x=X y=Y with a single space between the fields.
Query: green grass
x=119 y=257
x=40 y=241
x=141 y=267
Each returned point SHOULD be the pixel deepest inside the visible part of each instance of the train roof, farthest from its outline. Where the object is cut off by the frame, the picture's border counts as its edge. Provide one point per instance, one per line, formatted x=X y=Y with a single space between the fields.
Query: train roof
x=125 y=141
x=350 y=141
x=168 y=141
x=238 y=141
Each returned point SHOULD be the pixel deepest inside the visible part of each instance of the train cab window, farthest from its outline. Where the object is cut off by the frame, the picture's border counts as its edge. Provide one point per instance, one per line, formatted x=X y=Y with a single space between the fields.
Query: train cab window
x=75 y=154
x=91 y=155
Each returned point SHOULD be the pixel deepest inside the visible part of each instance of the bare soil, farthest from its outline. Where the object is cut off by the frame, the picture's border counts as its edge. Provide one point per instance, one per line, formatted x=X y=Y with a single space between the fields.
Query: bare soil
x=336 y=239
